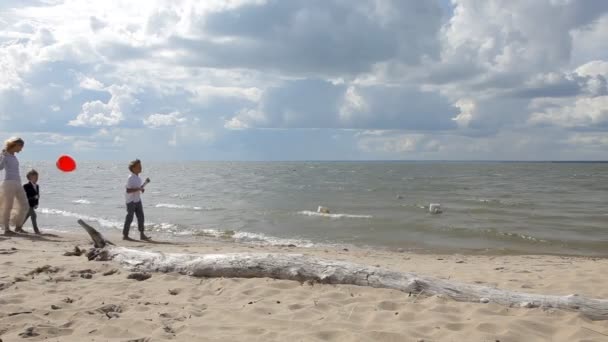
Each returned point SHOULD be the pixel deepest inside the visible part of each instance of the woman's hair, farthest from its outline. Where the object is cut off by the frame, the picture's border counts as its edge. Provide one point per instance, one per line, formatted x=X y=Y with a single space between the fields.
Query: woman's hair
x=12 y=142
x=133 y=163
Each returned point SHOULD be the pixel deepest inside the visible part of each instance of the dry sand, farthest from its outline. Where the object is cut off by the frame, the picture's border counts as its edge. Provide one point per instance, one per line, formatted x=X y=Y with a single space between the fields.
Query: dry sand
x=75 y=301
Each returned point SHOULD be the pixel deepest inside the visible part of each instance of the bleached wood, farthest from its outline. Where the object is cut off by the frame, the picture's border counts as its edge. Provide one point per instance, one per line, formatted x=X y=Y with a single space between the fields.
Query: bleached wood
x=302 y=268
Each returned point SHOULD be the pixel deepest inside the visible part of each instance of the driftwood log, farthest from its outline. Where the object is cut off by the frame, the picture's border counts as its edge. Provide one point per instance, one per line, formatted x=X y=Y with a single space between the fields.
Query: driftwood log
x=307 y=268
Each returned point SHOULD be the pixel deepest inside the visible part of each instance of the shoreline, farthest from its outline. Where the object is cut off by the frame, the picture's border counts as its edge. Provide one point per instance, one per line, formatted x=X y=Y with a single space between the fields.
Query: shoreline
x=265 y=309
x=411 y=248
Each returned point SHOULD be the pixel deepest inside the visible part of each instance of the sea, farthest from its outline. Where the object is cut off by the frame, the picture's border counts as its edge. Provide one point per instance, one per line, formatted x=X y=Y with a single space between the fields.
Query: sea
x=486 y=207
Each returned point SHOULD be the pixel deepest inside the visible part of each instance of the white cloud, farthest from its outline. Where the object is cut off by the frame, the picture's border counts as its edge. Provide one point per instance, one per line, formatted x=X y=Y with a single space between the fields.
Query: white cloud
x=593 y=68
x=467 y=110
x=353 y=103
x=90 y=83
x=236 y=124
x=397 y=144
x=97 y=113
x=164 y=120
x=246 y=118
x=51 y=139
x=584 y=112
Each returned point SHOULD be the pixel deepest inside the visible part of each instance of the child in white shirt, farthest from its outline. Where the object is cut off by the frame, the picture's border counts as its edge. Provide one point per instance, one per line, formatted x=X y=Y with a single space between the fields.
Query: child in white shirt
x=134 y=189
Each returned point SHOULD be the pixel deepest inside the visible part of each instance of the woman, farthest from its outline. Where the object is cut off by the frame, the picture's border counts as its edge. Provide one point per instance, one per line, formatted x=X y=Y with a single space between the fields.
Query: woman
x=11 y=188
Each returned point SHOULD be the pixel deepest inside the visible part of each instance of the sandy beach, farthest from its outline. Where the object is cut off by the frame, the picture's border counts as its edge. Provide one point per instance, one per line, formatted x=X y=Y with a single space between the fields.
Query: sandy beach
x=79 y=300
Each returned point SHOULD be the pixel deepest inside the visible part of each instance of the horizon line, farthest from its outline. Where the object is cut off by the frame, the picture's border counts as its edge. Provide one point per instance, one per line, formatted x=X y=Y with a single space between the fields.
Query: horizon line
x=349 y=160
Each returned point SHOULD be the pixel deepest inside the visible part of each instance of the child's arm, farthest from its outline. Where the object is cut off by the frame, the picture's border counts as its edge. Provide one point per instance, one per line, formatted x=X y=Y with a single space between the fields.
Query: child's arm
x=132 y=187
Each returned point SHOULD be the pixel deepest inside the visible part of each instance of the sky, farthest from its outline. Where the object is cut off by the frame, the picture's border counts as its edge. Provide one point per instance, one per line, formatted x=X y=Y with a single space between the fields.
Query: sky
x=305 y=79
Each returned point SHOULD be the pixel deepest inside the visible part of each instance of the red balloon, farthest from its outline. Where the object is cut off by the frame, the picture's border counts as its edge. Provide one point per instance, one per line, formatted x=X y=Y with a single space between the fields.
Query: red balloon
x=66 y=163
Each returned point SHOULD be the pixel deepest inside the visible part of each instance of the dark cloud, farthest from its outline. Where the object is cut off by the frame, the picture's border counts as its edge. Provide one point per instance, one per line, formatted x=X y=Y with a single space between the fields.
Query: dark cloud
x=96 y=24
x=561 y=87
x=404 y=107
x=451 y=72
x=319 y=104
x=303 y=104
x=315 y=36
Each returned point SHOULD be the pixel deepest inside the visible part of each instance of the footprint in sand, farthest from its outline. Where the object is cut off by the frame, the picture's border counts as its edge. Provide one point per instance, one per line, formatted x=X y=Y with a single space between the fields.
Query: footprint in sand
x=389 y=306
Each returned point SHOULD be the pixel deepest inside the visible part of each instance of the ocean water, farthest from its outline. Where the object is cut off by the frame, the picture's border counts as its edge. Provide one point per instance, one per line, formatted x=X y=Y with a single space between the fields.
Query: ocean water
x=488 y=207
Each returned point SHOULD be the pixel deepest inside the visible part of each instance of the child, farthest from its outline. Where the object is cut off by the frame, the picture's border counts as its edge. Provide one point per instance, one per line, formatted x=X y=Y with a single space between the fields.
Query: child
x=11 y=188
x=32 y=190
x=133 y=199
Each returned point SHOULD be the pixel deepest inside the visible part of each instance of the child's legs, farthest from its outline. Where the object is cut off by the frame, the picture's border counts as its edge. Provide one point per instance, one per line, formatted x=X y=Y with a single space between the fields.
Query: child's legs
x=139 y=212
x=128 y=218
x=32 y=213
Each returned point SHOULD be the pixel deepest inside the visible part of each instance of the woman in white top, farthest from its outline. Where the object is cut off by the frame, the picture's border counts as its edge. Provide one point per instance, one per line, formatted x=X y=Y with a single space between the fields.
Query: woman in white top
x=11 y=187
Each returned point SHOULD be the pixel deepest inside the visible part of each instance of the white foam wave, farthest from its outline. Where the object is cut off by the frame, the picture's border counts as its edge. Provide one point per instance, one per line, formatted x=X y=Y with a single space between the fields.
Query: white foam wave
x=274 y=241
x=177 y=206
x=169 y=227
x=181 y=195
x=186 y=207
x=250 y=238
x=333 y=216
x=81 y=201
x=102 y=221
x=484 y=200
x=54 y=230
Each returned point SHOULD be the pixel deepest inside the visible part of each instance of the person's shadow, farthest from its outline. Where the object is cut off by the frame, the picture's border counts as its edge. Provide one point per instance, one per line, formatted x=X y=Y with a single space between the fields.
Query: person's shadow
x=32 y=237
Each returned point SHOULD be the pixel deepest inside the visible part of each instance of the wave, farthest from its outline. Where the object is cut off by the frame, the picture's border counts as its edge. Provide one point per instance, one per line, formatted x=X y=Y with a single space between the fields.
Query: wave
x=181 y=196
x=108 y=223
x=499 y=202
x=82 y=201
x=521 y=236
x=333 y=216
x=485 y=200
x=249 y=238
x=464 y=232
x=168 y=227
x=182 y=206
x=102 y=221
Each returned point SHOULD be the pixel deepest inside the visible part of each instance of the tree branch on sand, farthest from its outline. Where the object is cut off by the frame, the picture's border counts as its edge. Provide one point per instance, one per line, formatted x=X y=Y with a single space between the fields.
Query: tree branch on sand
x=303 y=268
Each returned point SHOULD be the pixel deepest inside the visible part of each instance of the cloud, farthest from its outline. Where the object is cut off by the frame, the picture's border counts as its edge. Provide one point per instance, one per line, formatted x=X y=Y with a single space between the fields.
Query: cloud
x=164 y=120
x=51 y=139
x=264 y=78
x=584 y=112
x=90 y=83
x=466 y=113
x=322 y=104
x=97 y=113
x=313 y=37
x=97 y=24
x=398 y=144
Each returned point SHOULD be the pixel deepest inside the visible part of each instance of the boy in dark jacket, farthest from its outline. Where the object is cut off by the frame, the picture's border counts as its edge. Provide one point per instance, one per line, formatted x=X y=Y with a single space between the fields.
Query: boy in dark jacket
x=32 y=190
